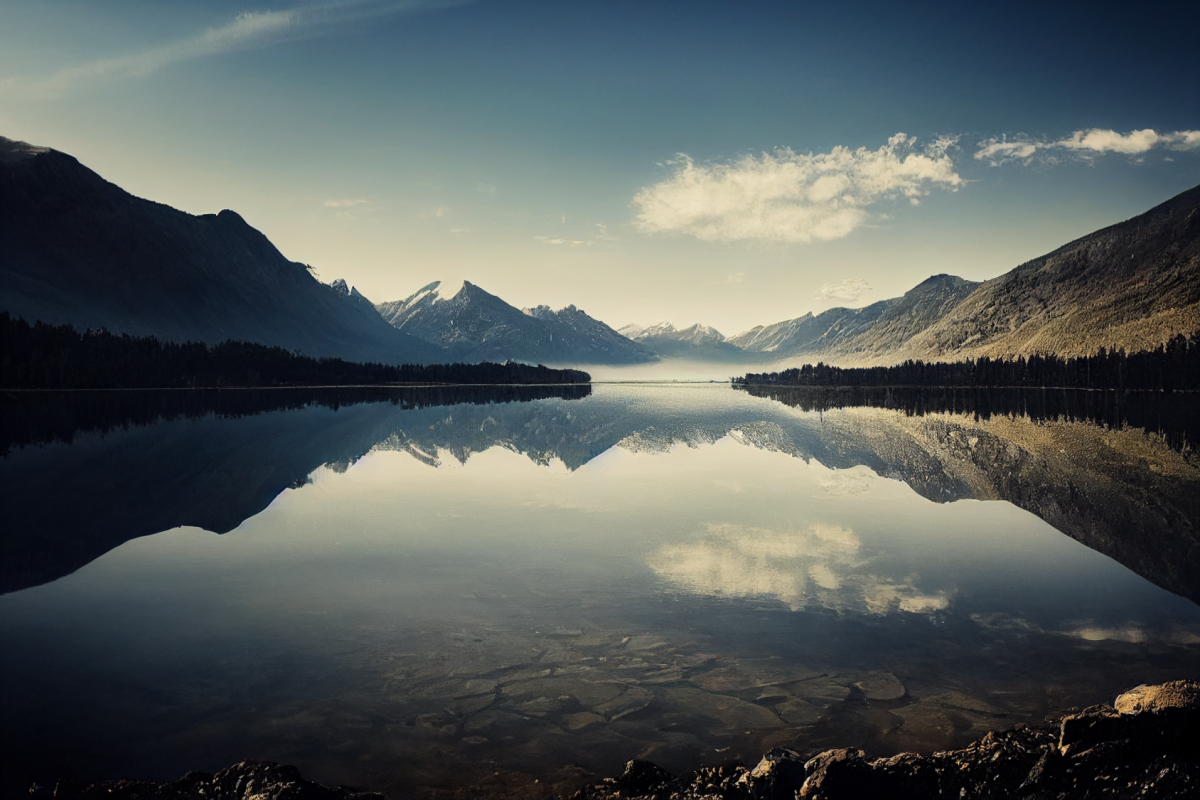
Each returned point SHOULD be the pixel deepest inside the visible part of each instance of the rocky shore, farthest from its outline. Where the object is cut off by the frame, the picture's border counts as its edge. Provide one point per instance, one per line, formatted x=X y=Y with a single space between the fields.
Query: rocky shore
x=1144 y=745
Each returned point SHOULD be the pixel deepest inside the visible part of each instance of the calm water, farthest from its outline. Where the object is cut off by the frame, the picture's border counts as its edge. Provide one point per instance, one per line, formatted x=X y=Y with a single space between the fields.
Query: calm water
x=412 y=596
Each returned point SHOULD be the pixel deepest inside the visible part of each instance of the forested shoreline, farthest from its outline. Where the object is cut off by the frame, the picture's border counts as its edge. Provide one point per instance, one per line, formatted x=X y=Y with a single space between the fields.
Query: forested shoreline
x=42 y=356
x=1174 y=367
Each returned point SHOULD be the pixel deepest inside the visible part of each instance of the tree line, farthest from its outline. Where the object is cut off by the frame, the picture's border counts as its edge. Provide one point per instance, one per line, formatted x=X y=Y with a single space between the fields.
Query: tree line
x=35 y=418
x=1171 y=415
x=43 y=356
x=1171 y=367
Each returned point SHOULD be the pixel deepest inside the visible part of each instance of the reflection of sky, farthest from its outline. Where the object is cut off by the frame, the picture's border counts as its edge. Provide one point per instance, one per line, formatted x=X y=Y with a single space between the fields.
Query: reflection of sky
x=724 y=519
x=820 y=565
x=472 y=539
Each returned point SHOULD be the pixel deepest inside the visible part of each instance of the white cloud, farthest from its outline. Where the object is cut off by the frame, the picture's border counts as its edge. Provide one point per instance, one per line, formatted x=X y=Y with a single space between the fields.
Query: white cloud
x=849 y=289
x=1083 y=143
x=789 y=197
x=600 y=237
x=560 y=240
x=346 y=203
x=247 y=31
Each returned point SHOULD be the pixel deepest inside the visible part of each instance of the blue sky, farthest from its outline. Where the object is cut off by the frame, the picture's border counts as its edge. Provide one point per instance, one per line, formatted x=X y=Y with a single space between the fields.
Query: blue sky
x=726 y=163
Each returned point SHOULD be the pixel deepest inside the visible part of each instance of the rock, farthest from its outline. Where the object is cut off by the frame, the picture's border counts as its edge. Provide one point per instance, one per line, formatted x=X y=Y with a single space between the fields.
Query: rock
x=1147 y=751
x=249 y=780
x=882 y=686
x=1175 y=694
x=778 y=776
x=1093 y=724
x=643 y=778
x=584 y=719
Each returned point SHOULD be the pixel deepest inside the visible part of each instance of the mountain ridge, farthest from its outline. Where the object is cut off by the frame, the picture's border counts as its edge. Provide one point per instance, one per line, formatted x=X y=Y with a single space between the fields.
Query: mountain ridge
x=81 y=250
x=1130 y=286
x=472 y=323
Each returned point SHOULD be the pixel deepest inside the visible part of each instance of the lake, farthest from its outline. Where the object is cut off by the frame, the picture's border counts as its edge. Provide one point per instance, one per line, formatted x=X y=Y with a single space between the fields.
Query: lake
x=412 y=591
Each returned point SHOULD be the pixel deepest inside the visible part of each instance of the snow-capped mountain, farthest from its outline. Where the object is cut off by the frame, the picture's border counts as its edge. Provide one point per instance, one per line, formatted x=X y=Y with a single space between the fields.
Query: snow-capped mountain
x=354 y=298
x=474 y=325
x=698 y=342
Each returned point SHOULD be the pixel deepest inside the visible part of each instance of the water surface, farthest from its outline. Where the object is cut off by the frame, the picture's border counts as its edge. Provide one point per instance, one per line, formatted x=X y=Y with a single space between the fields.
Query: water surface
x=412 y=596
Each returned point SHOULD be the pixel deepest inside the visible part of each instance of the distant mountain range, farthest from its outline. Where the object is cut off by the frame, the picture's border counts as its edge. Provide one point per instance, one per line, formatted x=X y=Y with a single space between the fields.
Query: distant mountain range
x=698 y=342
x=1131 y=286
x=876 y=329
x=473 y=325
x=77 y=249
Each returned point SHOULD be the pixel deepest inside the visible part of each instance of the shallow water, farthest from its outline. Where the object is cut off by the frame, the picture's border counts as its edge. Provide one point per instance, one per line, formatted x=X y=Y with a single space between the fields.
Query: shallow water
x=687 y=574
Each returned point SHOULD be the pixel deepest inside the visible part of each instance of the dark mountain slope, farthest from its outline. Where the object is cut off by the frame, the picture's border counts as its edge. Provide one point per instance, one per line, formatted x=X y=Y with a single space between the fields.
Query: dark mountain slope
x=811 y=333
x=1133 y=285
x=77 y=249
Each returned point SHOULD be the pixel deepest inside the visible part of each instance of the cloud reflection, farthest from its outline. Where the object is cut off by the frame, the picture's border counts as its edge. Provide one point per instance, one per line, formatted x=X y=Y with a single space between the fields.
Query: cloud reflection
x=820 y=565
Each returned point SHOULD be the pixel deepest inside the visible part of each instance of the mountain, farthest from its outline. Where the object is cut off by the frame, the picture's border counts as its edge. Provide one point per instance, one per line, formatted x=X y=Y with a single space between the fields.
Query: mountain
x=875 y=330
x=698 y=342
x=80 y=250
x=472 y=324
x=1130 y=286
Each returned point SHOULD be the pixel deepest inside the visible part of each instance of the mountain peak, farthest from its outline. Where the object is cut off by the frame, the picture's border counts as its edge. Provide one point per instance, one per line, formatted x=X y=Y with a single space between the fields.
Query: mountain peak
x=942 y=280
x=14 y=150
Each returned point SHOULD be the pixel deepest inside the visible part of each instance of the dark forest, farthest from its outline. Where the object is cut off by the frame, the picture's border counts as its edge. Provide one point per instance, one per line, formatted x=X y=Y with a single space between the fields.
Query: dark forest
x=1175 y=367
x=42 y=356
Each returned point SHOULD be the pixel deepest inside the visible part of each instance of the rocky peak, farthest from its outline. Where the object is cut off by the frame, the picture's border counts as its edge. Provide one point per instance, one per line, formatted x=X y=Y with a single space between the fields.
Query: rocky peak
x=13 y=150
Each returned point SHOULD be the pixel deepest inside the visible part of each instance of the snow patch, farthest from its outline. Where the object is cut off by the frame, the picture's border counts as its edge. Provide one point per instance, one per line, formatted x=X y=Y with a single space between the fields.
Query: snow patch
x=448 y=290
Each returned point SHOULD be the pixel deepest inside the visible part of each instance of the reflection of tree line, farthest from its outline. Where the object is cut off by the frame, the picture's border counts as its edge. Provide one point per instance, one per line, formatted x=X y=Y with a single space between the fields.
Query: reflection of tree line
x=42 y=356
x=1174 y=416
x=1173 y=367
x=30 y=418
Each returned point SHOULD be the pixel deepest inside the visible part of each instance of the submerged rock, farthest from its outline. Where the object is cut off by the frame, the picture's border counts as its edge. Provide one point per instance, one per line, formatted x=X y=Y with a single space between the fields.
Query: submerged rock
x=882 y=686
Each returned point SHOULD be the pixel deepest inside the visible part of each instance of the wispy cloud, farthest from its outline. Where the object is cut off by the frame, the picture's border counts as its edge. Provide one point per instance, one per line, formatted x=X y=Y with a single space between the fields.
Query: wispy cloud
x=789 y=197
x=598 y=238
x=247 y=31
x=849 y=290
x=1083 y=144
x=350 y=207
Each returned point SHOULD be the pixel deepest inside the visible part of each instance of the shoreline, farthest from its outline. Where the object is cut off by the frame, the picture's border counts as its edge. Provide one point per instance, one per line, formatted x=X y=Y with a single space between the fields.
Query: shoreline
x=1141 y=745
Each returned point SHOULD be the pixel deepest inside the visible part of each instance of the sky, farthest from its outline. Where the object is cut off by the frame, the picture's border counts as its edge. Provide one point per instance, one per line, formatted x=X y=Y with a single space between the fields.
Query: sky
x=732 y=164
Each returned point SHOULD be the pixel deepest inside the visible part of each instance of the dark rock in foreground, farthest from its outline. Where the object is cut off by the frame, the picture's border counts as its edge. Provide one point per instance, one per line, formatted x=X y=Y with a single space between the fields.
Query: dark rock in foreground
x=249 y=780
x=1142 y=747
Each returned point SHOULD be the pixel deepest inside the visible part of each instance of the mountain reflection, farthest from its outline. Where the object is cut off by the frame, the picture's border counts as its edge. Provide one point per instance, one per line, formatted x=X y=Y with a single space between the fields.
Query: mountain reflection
x=109 y=470
x=32 y=418
x=1172 y=415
